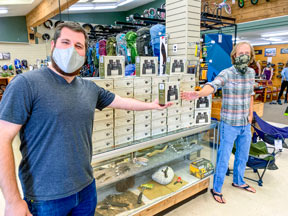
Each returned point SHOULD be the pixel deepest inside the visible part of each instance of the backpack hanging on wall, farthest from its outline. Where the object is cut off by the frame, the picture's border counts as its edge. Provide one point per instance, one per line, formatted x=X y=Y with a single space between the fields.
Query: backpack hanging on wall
x=111 y=46
x=143 y=42
x=121 y=48
x=131 y=44
x=156 y=32
x=102 y=48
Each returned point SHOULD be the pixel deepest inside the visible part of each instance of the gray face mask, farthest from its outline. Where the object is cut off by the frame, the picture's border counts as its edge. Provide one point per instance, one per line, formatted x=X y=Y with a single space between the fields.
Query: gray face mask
x=68 y=59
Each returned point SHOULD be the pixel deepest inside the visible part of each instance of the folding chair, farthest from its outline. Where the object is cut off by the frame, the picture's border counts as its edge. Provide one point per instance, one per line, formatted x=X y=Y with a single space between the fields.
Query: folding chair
x=259 y=158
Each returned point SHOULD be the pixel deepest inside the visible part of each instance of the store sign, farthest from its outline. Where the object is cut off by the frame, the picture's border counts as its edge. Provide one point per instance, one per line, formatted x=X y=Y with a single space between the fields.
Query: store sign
x=258 y=52
x=269 y=52
x=284 y=51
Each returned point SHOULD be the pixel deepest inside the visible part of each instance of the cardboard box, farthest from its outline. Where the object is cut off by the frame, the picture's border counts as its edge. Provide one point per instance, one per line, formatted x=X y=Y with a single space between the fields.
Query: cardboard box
x=112 y=66
x=202 y=117
x=146 y=66
x=176 y=65
x=203 y=103
x=201 y=168
x=168 y=92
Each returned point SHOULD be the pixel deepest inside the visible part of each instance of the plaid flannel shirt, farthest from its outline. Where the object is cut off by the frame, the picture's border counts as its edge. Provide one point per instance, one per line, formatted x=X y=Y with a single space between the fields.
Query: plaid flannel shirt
x=237 y=90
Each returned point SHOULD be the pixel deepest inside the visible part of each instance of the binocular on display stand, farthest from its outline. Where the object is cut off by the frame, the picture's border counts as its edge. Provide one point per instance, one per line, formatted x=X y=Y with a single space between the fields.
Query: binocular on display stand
x=172 y=93
x=149 y=67
x=114 y=68
x=202 y=102
x=178 y=66
x=202 y=116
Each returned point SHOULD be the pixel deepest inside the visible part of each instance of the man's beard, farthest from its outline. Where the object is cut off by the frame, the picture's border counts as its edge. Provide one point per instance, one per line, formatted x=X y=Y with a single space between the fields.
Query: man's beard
x=55 y=66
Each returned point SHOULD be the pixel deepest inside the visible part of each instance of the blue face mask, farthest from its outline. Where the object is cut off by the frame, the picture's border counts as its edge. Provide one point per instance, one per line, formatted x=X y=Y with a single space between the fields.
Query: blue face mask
x=68 y=60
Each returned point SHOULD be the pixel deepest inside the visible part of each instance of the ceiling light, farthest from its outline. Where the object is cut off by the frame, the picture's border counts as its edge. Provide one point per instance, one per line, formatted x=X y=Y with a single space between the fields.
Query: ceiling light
x=3 y=11
x=82 y=1
x=80 y=8
x=273 y=39
x=280 y=42
x=274 y=34
x=105 y=7
x=260 y=44
x=125 y=2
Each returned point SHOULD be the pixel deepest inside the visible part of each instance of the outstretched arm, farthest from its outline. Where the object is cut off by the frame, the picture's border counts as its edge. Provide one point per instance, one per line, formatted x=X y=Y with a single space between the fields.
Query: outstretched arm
x=132 y=104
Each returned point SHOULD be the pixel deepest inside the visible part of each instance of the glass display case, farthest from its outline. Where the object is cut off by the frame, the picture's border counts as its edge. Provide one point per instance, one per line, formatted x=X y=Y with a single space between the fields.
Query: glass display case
x=147 y=176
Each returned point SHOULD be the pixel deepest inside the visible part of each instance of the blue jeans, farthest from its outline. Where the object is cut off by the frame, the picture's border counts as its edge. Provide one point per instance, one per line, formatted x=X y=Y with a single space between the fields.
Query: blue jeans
x=82 y=203
x=241 y=135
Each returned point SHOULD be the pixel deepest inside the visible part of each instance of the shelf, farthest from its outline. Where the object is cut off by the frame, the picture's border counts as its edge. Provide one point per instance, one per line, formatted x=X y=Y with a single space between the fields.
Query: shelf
x=151 y=141
x=155 y=161
x=150 y=19
x=180 y=169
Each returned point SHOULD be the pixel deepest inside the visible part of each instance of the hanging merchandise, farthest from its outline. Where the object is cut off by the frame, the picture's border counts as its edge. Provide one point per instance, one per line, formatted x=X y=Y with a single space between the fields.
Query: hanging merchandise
x=143 y=42
x=219 y=47
x=87 y=27
x=90 y=61
x=57 y=23
x=48 y=24
x=152 y=13
x=24 y=64
x=11 y=67
x=102 y=48
x=46 y=37
x=122 y=49
x=163 y=54
x=131 y=44
x=156 y=32
x=130 y=70
x=17 y=64
x=111 y=46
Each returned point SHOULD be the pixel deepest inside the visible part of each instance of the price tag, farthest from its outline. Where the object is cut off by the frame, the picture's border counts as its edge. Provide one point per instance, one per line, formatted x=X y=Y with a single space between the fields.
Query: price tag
x=128 y=52
x=146 y=50
x=278 y=144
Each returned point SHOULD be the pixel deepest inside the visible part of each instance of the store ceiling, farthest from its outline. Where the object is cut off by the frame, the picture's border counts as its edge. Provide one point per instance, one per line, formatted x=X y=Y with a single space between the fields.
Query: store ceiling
x=265 y=36
x=22 y=7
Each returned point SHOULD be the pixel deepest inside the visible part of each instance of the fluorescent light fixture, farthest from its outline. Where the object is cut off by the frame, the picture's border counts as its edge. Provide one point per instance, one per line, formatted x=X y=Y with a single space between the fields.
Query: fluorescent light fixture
x=105 y=7
x=3 y=11
x=273 y=39
x=82 y=1
x=260 y=44
x=280 y=42
x=92 y=8
x=274 y=34
x=80 y=8
x=125 y=2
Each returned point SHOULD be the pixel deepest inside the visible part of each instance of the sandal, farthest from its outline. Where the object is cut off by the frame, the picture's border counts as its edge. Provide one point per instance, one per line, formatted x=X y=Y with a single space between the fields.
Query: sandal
x=218 y=195
x=247 y=188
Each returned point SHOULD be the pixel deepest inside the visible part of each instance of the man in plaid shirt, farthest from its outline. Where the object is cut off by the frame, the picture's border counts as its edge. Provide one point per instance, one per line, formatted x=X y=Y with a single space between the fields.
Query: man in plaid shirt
x=236 y=116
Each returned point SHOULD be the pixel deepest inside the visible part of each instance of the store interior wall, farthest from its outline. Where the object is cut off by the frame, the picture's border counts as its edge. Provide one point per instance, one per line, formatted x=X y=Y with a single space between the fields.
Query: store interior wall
x=262 y=10
x=30 y=52
x=13 y=29
x=275 y=60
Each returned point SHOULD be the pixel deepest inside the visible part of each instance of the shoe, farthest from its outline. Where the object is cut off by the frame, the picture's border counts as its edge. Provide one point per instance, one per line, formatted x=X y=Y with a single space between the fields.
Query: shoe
x=279 y=102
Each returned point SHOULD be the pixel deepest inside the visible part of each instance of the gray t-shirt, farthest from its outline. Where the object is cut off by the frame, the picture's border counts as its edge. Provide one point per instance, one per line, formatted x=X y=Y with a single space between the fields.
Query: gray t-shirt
x=56 y=136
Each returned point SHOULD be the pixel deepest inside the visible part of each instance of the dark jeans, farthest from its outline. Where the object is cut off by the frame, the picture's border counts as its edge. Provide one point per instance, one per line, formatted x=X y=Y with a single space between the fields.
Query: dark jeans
x=82 y=203
x=283 y=86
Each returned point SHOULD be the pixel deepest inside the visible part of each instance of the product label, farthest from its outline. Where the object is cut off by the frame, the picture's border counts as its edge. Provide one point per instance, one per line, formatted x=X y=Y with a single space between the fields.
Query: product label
x=146 y=50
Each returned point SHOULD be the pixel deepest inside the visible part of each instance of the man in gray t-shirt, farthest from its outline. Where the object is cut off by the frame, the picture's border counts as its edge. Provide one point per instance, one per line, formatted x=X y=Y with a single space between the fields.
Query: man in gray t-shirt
x=54 y=111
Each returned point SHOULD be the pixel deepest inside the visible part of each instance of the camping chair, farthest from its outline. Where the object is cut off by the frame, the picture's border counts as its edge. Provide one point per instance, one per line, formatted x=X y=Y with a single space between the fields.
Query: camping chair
x=267 y=132
x=259 y=158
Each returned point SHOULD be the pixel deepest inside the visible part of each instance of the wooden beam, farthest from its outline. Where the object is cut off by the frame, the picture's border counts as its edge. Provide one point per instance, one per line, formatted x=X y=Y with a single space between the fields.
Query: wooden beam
x=46 y=10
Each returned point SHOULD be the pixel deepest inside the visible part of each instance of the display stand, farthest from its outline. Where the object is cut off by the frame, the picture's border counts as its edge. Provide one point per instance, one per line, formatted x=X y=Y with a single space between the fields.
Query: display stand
x=199 y=142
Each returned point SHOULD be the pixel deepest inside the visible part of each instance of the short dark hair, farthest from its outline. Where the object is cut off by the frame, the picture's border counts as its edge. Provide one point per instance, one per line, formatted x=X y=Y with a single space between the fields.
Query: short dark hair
x=72 y=26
